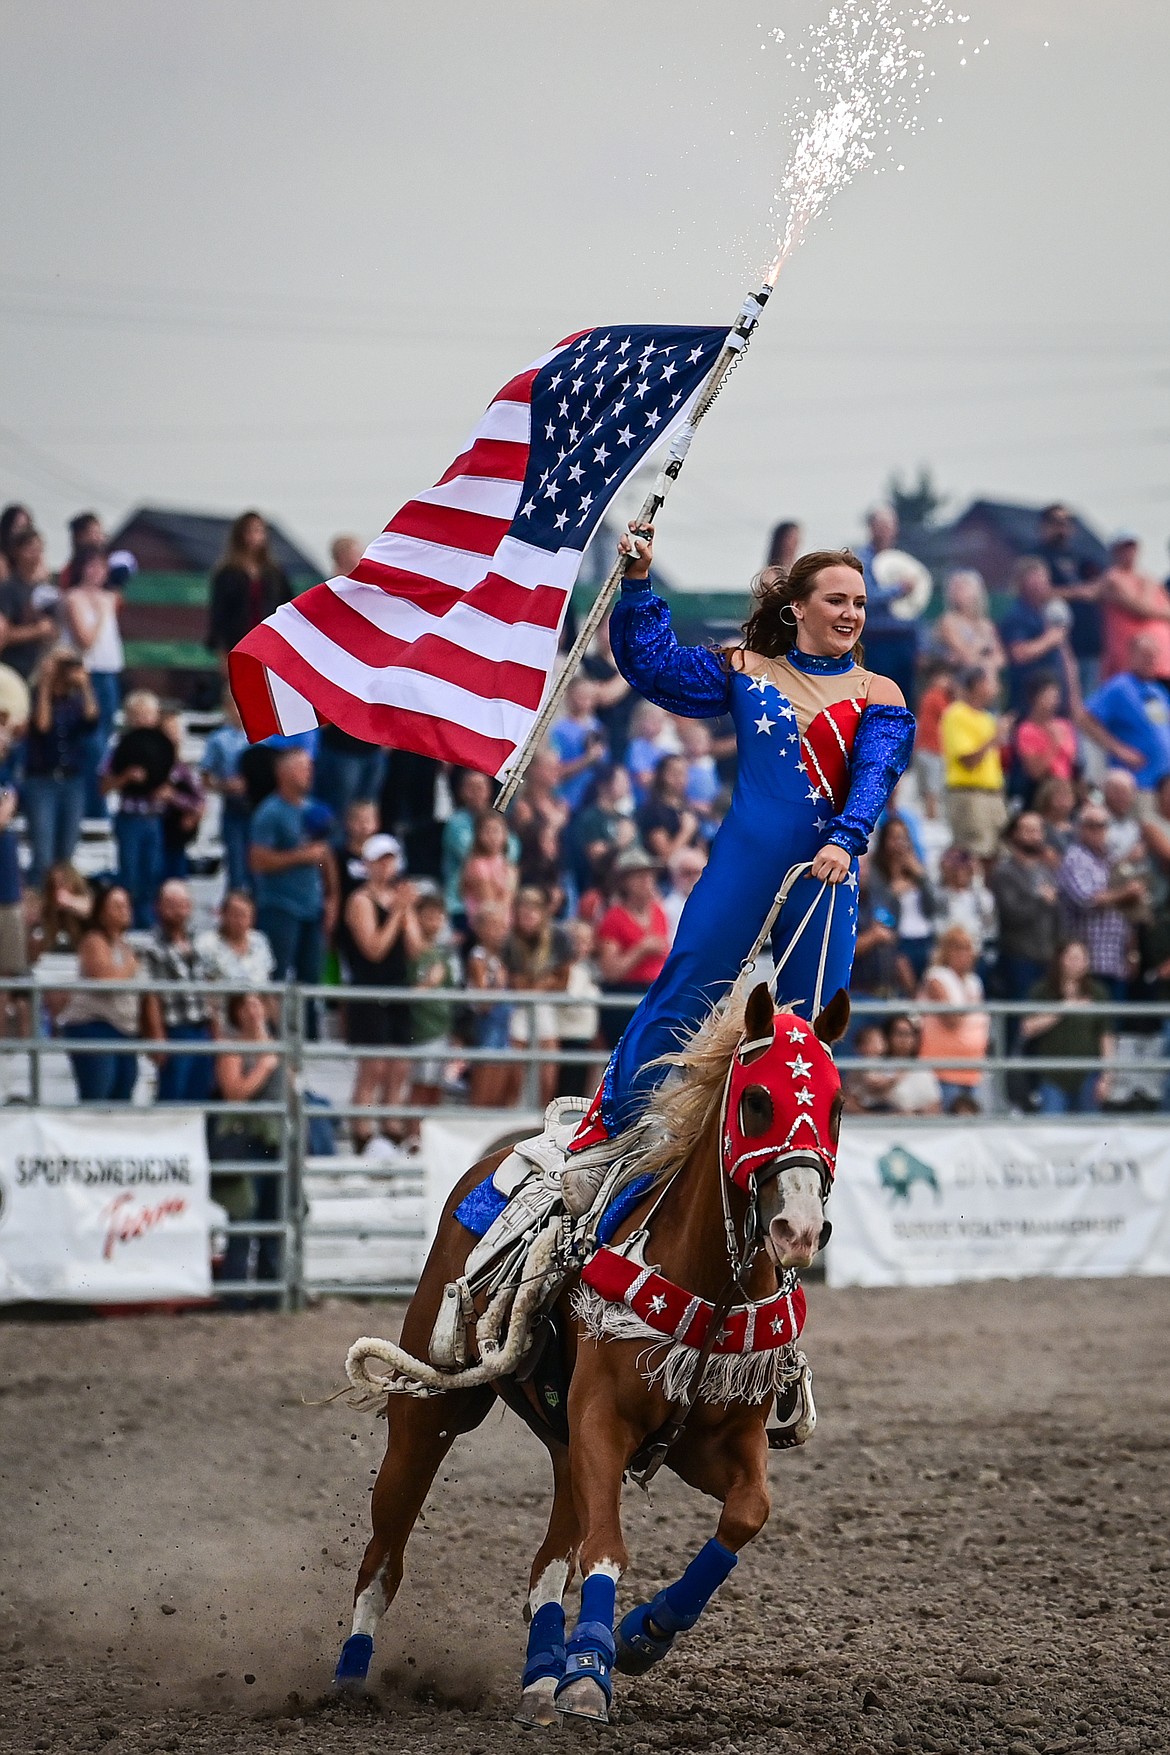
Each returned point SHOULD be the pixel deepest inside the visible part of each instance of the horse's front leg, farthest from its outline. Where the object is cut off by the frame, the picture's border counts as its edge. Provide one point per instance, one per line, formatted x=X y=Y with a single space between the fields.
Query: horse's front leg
x=552 y=1569
x=601 y=1444
x=732 y=1467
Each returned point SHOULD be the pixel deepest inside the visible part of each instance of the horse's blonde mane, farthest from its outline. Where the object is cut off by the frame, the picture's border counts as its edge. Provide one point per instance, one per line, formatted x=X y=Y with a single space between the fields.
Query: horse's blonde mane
x=682 y=1107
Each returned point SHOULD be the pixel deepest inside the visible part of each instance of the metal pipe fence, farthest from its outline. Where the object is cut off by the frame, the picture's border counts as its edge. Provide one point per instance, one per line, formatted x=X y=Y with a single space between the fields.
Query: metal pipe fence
x=299 y=1188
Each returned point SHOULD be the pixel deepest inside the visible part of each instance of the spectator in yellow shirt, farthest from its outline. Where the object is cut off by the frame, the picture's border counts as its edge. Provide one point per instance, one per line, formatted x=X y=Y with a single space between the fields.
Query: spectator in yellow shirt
x=971 y=737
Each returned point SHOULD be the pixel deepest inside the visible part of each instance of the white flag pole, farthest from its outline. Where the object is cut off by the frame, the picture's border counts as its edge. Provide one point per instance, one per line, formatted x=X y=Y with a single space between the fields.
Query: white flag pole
x=733 y=347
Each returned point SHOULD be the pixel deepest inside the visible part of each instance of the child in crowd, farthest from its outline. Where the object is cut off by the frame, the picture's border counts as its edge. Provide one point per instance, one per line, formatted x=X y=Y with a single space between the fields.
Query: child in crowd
x=184 y=803
x=937 y=694
x=220 y=774
x=577 y=1025
x=491 y=1084
x=435 y=964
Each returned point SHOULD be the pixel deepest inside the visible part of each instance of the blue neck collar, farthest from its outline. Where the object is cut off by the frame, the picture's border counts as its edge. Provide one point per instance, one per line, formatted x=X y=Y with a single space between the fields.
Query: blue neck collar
x=813 y=665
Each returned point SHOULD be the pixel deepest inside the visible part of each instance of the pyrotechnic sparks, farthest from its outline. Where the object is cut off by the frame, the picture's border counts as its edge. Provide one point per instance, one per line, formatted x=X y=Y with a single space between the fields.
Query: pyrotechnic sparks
x=869 y=74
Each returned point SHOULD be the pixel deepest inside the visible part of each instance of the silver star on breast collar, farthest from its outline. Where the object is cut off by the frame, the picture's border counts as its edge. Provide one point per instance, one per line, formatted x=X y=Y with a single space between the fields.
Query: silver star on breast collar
x=657 y=1304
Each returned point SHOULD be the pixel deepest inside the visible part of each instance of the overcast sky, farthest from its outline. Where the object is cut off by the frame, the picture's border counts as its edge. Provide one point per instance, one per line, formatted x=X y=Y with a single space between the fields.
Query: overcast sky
x=281 y=253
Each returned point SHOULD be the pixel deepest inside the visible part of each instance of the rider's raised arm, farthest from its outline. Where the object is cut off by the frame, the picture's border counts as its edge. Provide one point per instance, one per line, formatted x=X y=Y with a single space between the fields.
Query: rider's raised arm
x=881 y=754
x=690 y=680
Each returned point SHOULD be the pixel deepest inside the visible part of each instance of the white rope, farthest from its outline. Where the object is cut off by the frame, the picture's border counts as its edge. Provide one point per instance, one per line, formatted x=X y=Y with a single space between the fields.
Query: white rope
x=411 y=1376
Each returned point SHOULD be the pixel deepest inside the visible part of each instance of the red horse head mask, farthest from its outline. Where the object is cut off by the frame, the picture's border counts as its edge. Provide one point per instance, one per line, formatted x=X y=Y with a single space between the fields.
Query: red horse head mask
x=782 y=1105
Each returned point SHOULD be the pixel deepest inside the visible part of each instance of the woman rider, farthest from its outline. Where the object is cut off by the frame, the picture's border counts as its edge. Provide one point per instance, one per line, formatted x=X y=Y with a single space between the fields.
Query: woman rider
x=821 y=745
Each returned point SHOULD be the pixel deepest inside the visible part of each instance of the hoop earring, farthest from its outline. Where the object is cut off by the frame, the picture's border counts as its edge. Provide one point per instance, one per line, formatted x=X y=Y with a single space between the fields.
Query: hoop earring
x=788 y=616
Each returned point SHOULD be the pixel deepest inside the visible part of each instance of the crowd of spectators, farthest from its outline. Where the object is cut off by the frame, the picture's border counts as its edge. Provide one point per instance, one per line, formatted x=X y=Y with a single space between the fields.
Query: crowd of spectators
x=1027 y=857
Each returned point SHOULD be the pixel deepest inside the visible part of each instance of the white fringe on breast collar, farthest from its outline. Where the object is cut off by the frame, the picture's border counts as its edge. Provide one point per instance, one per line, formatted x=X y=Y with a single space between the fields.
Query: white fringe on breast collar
x=667 y=1365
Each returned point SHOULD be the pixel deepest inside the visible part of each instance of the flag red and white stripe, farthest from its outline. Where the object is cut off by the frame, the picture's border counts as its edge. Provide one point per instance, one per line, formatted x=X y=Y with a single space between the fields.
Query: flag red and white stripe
x=444 y=637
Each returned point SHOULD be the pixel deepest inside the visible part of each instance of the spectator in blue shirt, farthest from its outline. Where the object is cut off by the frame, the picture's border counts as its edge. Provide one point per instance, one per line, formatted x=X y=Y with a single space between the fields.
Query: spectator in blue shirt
x=891 y=644
x=220 y=769
x=295 y=877
x=579 y=741
x=1035 y=636
x=1077 y=583
x=1129 y=716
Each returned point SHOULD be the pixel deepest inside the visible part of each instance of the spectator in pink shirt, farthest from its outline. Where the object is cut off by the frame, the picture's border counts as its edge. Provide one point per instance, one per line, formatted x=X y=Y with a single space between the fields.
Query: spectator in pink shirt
x=1133 y=603
x=1045 y=743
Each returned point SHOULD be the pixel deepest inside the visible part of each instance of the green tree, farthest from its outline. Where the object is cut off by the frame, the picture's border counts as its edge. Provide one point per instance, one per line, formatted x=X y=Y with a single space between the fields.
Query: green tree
x=917 y=504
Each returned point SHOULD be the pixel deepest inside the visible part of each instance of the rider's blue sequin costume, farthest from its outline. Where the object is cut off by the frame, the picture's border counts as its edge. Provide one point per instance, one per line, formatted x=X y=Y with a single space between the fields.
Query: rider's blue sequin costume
x=798 y=787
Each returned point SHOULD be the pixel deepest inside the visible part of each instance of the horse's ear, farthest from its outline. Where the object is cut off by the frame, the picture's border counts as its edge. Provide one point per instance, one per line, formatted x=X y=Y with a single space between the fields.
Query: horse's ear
x=831 y=1023
x=759 y=1012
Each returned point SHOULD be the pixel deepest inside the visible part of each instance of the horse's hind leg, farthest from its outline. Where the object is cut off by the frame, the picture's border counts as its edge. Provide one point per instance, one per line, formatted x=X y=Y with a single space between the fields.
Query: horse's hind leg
x=551 y=1571
x=421 y=1432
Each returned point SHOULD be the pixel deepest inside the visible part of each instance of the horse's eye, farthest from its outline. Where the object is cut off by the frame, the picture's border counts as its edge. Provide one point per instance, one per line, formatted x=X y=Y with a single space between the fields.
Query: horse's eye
x=755 y=1112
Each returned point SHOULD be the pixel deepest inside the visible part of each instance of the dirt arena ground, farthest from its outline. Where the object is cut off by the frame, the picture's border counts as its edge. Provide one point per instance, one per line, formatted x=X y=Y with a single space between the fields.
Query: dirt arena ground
x=972 y=1554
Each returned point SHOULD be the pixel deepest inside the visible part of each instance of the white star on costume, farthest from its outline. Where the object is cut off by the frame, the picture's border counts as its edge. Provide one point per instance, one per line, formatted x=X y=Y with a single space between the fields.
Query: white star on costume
x=851 y=881
x=804 y=1097
x=788 y=711
x=764 y=724
x=758 y=682
x=814 y=792
x=820 y=822
x=800 y=1068
x=796 y=1035
x=793 y=738
x=657 y=1304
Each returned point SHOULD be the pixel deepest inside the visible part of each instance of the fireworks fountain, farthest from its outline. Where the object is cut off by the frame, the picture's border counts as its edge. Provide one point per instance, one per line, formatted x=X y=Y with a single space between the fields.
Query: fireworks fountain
x=867 y=62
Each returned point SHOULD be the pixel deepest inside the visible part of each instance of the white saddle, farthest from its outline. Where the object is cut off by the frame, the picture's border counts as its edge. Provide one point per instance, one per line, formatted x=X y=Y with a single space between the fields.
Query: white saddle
x=530 y=1181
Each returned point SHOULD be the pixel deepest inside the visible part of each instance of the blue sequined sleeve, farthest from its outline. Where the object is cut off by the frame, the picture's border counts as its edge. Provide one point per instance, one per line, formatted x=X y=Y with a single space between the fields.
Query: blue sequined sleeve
x=690 y=680
x=881 y=755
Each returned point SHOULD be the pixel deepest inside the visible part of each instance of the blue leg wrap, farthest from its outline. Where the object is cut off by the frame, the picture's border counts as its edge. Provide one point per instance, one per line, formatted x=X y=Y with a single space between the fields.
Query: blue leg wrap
x=647 y=1632
x=546 y=1645
x=684 y=1601
x=591 y=1650
x=354 y=1663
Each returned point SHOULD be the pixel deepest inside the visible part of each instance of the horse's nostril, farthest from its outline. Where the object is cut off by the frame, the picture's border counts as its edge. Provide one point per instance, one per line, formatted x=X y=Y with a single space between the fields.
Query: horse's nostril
x=826 y=1233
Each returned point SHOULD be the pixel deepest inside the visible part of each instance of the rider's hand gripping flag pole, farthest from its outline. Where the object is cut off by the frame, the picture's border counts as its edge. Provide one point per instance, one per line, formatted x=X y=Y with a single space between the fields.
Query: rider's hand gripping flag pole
x=729 y=356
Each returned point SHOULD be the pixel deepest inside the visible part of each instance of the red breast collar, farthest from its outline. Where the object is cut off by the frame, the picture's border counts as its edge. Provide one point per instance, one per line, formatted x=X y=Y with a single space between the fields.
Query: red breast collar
x=679 y=1315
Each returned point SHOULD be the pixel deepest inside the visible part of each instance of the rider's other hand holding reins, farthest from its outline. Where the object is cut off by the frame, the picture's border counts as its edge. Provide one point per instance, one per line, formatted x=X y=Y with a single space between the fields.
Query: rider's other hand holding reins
x=641 y=550
x=831 y=865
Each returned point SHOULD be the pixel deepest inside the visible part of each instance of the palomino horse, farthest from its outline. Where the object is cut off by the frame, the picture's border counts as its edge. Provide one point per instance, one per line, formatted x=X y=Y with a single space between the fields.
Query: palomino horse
x=744 y=1160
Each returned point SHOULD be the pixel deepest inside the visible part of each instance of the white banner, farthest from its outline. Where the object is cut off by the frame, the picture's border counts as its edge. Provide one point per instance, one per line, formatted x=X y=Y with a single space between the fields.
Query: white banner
x=929 y=1206
x=104 y=1209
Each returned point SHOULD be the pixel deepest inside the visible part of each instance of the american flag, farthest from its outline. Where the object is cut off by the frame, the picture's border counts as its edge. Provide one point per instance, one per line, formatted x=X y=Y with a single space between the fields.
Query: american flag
x=443 y=639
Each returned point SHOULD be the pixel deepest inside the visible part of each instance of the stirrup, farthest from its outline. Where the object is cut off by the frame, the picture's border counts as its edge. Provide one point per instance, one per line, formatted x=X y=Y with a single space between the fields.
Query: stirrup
x=796 y=1412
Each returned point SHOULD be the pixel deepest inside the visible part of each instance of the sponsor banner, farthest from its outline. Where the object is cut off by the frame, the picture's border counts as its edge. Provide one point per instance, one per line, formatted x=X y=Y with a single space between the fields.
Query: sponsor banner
x=104 y=1209
x=929 y=1206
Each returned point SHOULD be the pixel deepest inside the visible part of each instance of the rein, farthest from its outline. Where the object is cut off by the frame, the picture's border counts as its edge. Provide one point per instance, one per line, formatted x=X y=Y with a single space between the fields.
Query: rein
x=650 y=1456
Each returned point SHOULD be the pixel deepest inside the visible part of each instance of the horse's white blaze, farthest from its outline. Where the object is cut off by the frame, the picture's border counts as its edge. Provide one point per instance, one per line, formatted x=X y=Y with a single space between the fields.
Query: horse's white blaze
x=793 y=1213
x=369 y=1608
x=550 y=1586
